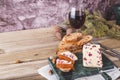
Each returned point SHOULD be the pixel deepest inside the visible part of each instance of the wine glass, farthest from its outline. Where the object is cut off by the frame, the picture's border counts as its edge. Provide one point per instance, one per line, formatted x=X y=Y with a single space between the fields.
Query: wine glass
x=76 y=18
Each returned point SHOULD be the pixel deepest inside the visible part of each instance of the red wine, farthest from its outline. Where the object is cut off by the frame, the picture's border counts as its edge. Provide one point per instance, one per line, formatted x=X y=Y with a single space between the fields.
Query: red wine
x=77 y=20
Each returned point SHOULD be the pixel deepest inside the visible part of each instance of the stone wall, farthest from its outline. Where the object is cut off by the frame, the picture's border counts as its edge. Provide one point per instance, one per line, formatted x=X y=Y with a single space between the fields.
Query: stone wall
x=29 y=14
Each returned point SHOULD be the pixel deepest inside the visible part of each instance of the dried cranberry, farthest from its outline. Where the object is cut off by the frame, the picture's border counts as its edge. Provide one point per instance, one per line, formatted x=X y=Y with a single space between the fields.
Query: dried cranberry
x=84 y=58
x=90 y=54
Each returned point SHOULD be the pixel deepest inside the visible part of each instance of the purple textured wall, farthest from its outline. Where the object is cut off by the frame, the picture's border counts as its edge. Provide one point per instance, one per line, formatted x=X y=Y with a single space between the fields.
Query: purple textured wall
x=29 y=14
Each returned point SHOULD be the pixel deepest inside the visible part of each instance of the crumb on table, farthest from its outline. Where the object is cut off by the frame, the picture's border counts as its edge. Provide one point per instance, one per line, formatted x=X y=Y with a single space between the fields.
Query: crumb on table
x=18 y=61
x=50 y=72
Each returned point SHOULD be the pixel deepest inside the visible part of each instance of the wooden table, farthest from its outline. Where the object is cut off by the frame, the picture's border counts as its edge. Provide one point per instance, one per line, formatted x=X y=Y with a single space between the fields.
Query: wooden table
x=22 y=53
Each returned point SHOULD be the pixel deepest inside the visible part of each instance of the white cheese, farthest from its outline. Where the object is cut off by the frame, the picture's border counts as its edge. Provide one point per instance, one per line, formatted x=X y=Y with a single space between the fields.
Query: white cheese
x=92 y=56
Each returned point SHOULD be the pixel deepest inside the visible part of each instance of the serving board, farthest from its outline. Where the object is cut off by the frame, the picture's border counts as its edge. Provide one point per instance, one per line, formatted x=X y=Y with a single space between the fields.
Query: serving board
x=79 y=69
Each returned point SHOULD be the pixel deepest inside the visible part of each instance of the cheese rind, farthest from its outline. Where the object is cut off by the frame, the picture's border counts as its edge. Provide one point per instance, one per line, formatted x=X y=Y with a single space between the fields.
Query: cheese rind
x=92 y=56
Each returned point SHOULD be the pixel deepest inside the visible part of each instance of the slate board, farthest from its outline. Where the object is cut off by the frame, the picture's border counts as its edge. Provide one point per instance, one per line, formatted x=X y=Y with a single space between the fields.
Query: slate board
x=79 y=70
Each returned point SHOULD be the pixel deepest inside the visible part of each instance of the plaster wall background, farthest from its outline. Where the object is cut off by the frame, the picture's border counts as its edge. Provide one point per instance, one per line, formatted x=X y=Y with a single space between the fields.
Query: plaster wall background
x=30 y=14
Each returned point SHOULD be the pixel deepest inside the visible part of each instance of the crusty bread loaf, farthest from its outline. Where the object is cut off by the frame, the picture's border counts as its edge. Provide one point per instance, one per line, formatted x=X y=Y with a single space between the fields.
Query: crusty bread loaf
x=73 y=42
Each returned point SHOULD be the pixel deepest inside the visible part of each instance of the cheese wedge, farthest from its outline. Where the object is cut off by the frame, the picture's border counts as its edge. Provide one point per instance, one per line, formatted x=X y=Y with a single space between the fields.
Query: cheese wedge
x=92 y=56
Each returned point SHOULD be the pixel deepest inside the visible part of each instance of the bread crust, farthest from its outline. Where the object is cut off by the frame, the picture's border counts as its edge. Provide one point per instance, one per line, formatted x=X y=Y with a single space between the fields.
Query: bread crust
x=65 y=61
x=67 y=55
x=73 y=42
x=72 y=37
x=65 y=67
x=84 y=40
x=65 y=58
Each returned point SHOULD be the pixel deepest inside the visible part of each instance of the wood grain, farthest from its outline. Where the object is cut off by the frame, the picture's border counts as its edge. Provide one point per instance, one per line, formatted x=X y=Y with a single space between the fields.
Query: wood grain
x=112 y=43
x=29 y=48
x=32 y=77
x=28 y=55
x=22 y=40
x=32 y=48
x=117 y=49
x=20 y=70
x=24 y=35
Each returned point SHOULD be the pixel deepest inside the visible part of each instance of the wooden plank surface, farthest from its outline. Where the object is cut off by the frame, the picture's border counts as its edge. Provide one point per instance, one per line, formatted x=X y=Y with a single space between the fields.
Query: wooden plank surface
x=33 y=47
x=112 y=43
x=27 y=44
x=32 y=77
x=117 y=49
x=24 y=35
x=20 y=70
x=27 y=55
x=22 y=40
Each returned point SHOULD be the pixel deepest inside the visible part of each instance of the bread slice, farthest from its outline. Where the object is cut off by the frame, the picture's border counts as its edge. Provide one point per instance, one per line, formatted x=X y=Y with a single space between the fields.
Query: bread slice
x=67 y=55
x=71 y=46
x=64 y=65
